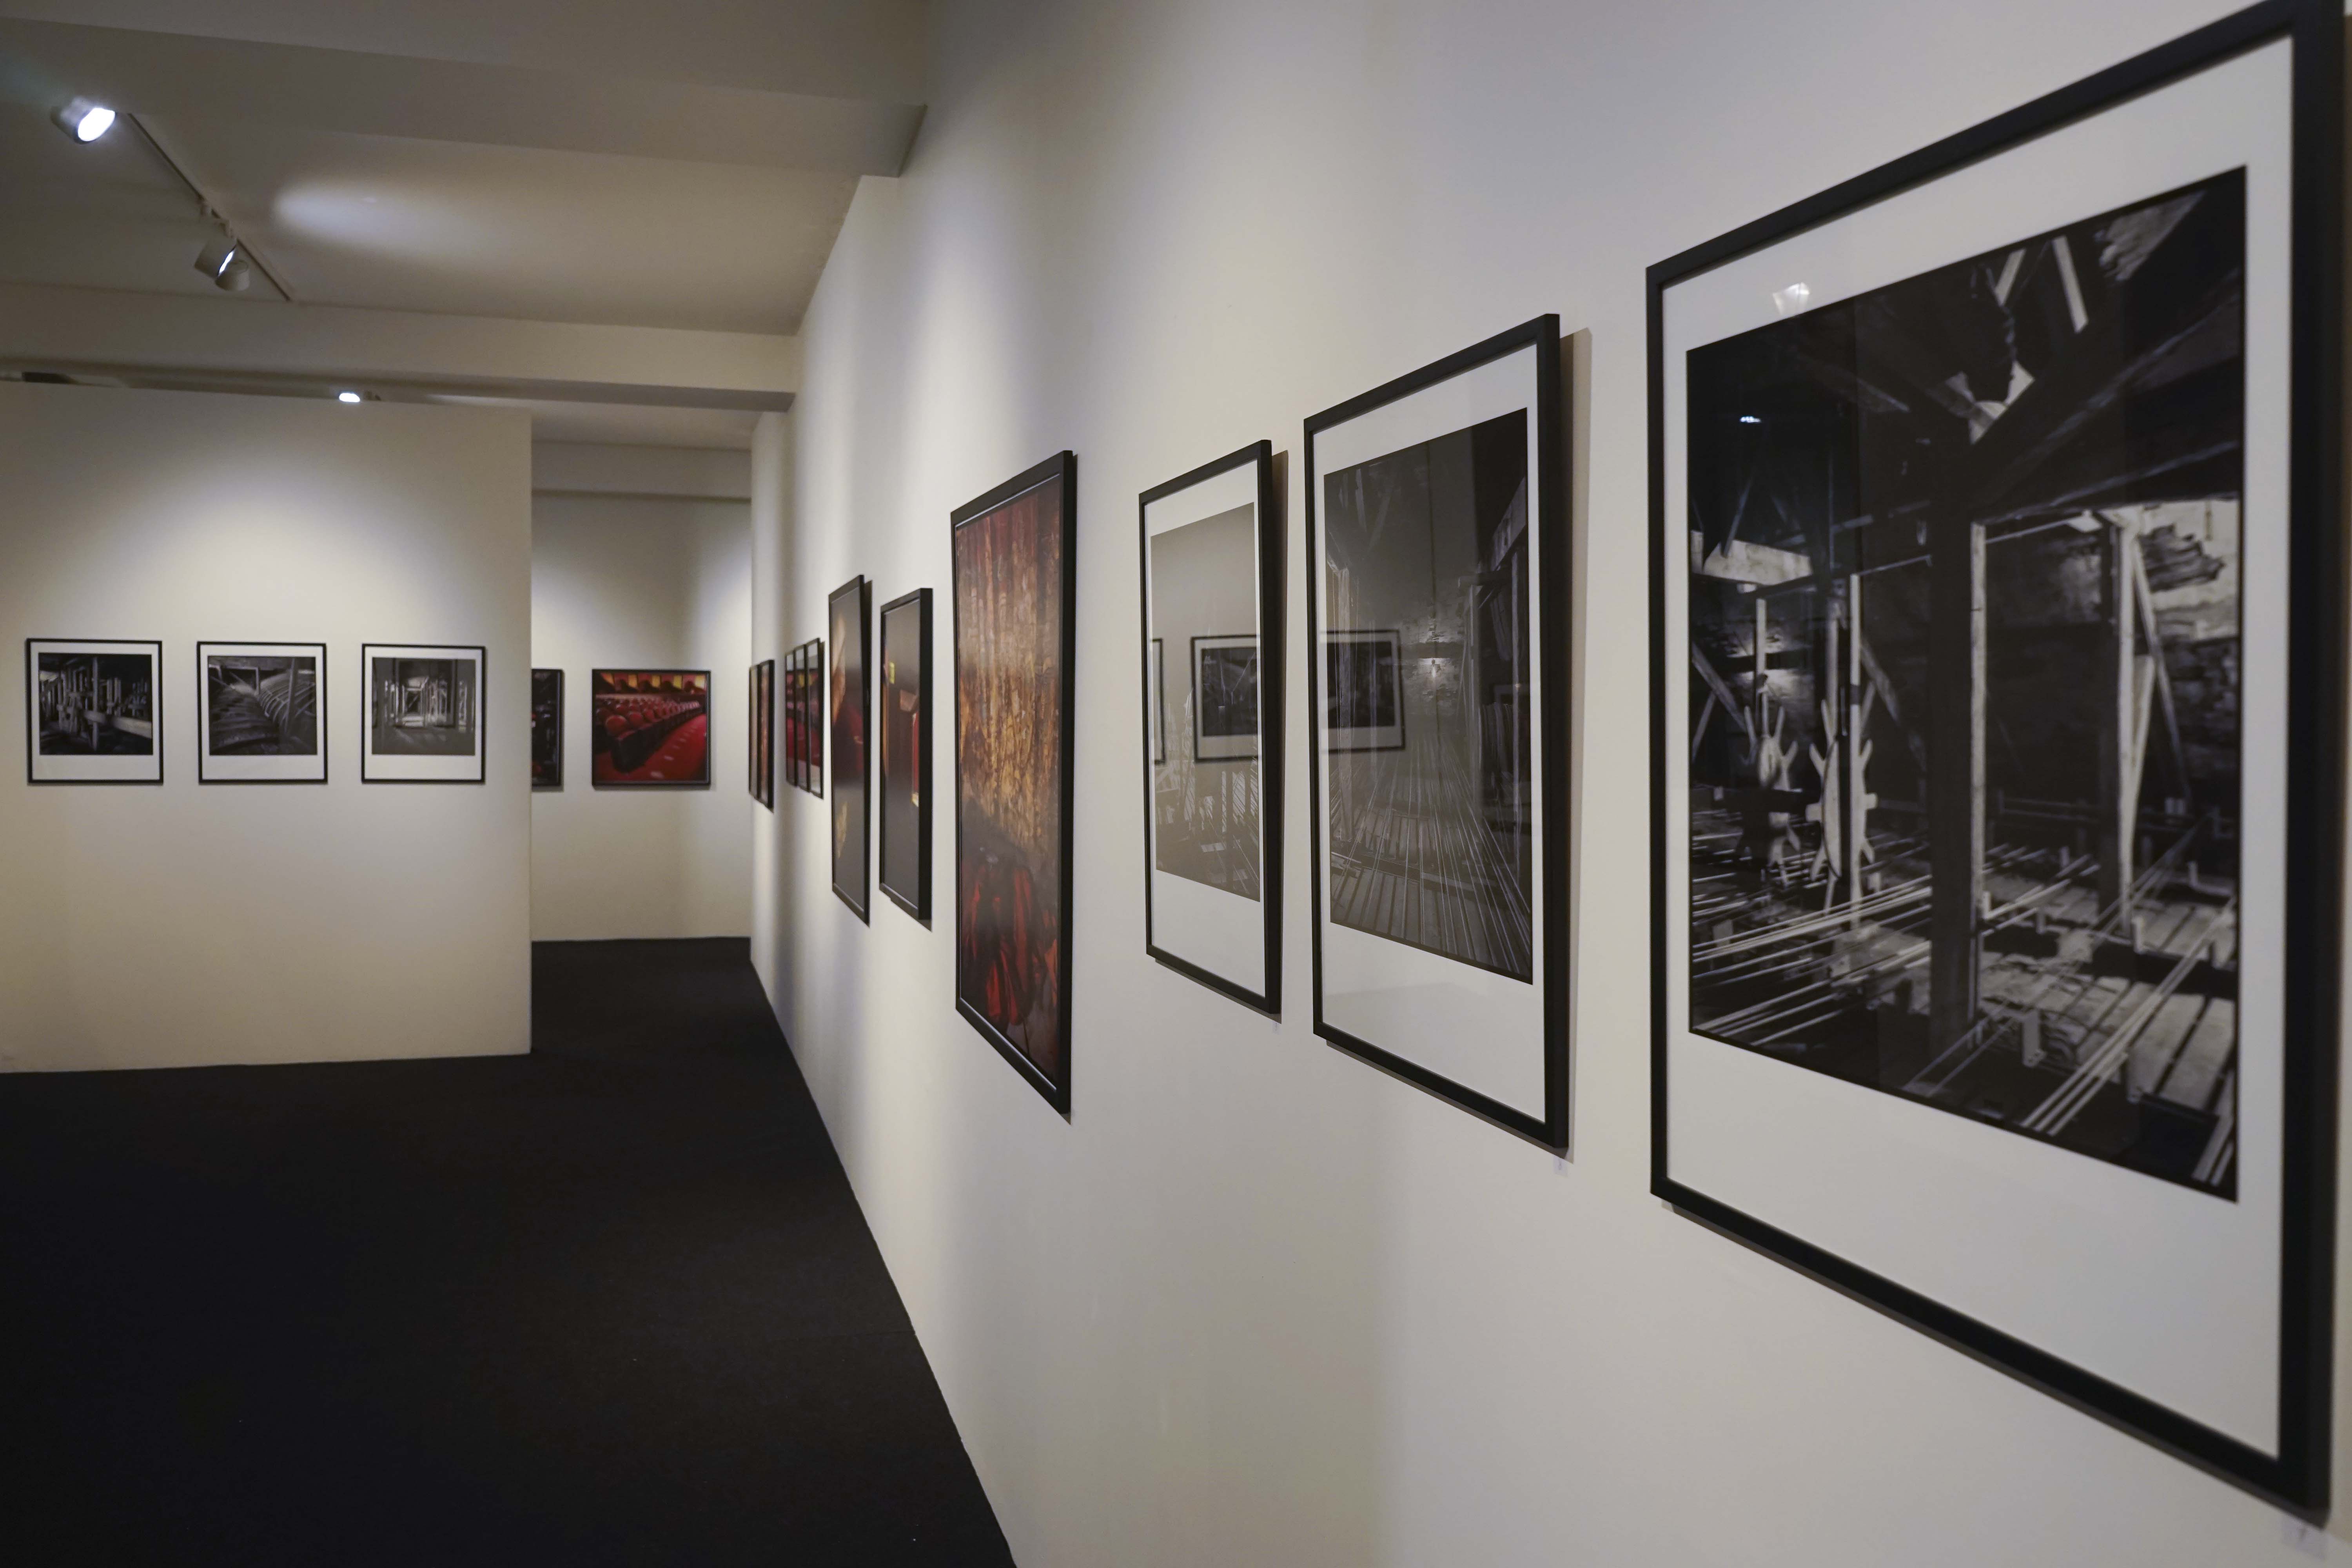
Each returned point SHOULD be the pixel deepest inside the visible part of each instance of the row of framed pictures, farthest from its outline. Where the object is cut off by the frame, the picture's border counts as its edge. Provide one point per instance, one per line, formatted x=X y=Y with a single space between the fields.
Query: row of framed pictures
x=1998 y=688
x=94 y=713
x=813 y=706
x=647 y=729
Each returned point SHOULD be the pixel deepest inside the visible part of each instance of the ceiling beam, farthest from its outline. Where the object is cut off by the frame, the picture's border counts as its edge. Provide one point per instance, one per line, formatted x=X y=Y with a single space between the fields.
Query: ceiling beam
x=179 y=75
x=265 y=346
x=872 y=49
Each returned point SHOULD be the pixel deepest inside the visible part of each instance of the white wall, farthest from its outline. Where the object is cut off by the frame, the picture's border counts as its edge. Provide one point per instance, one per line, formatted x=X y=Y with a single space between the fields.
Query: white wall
x=633 y=581
x=1255 y=1303
x=191 y=924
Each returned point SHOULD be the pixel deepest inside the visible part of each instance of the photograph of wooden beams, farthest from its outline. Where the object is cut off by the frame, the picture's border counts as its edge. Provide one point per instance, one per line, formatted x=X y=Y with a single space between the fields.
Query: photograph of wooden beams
x=1964 y=663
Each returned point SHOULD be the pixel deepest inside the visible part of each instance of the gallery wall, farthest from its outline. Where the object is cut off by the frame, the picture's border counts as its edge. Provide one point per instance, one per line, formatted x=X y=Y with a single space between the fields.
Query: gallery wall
x=643 y=582
x=1254 y=1301
x=186 y=925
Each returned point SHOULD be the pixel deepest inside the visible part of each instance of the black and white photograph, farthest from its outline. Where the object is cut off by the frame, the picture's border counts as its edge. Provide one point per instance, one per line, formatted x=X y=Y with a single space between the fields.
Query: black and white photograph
x=1438 y=682
x=262 y=714
x=1224 y=698
x=1976 y=777
x=1364 y=690
x=424 y=714
x=92 y=712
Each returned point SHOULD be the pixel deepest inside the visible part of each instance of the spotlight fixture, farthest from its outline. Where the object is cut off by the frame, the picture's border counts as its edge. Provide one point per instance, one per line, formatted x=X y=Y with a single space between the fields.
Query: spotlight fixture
x=349 y=397
x=223 y=262
x=83 y=119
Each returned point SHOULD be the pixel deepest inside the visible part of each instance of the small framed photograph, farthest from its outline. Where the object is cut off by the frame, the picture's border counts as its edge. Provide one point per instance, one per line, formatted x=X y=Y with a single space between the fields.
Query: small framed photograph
x=904 y=741
x=649 y=729
x=1213 y=555
x=1363 y=692
x=849 y=627
x=813 y=716
x=547 y=729
x=93 y=710
x=425 y=713
x=763 y=733
x=261 y=712
x=1224 y=699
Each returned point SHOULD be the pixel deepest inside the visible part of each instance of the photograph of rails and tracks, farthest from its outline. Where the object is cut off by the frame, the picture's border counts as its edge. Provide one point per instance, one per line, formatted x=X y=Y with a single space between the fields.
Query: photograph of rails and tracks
x=1965 y=685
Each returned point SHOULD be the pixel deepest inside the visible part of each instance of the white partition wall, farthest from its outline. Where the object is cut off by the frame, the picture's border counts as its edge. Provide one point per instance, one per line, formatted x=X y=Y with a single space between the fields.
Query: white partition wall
x=188 y=923
x=1254 y=1301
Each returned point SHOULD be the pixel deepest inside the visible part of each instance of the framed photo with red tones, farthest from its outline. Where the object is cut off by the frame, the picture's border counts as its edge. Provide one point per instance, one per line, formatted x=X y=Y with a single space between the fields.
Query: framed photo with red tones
x=649 y=729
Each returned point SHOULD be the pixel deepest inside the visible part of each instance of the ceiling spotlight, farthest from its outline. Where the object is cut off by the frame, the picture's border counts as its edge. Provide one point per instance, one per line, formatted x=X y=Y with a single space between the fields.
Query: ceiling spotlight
x=223 y=262
x=83 y=119
x=349 y=397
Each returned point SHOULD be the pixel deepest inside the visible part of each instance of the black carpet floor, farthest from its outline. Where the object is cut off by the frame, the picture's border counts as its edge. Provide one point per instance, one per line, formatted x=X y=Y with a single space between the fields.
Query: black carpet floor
x=612 y=1302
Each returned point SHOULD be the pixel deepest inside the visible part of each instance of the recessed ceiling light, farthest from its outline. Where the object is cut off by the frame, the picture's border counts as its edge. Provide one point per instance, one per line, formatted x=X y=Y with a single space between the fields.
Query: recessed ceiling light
x=83 y=119
x=348 y=397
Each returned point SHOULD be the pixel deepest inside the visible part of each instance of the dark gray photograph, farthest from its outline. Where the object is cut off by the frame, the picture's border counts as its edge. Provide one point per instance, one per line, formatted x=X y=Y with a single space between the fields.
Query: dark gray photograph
x=1427 y=741
x=422 y=707
x=95 y=704
x=1224 y=698
x=1964 y=666
x=261 y=705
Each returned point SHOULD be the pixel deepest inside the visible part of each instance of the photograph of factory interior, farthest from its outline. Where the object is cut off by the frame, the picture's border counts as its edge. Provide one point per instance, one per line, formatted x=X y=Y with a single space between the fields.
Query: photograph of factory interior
x=479 y=1086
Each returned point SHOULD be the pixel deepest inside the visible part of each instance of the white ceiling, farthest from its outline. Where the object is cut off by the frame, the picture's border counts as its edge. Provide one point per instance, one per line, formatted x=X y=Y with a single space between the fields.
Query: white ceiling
x=683 y=165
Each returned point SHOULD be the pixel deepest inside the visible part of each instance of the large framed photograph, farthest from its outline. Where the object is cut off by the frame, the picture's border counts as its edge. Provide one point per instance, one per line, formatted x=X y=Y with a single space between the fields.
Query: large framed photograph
x=1998 y=682
x=649 y=729
x=1212 y=549
x=1438 y=688
x=261 y=712
x=763 y=733
x=850 y=631
x=1015 y=575
x=93 y=710
x=547 y=729
x=903 y=825
x=425 y=713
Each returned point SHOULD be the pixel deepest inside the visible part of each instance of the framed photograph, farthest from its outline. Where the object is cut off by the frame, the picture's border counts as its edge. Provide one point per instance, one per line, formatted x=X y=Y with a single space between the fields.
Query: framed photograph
x=813 y=720
x=93 y=710
x=1015 y=573
x=547 y=729
x=649 y=729
x=261 y=712
x=790 y=703
x=904 y=826
x=1364 y=690
x=763 y=732
x=1438 y=682
x=425 y=713
x=1996 y=575
x=849 y=629
x=1224 y=699
x=1212 y=553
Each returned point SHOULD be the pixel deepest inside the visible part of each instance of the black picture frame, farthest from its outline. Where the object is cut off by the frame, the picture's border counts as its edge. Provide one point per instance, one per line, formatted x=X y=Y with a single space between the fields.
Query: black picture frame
x=1551 y=659
x=709 y=774
x=1273 y=536
x=849 y=716
x=33 y=647
x=203 y=697
x=2297 y=1476
x=547 y=735
x=1061 y=469
x=760 y=752
x=812 y=673
x=919 y=736
x=789 y=701
x=368 y=753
